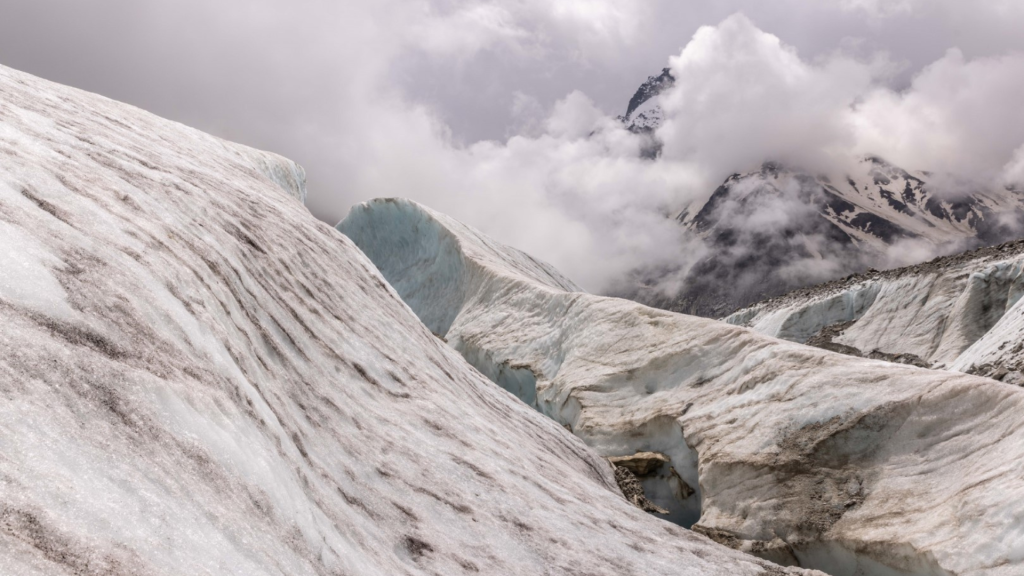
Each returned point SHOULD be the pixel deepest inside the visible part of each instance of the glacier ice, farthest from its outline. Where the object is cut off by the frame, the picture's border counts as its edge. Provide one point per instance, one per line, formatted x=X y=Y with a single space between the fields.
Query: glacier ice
x=198 y=377
x=851 y=465
x=961 y=312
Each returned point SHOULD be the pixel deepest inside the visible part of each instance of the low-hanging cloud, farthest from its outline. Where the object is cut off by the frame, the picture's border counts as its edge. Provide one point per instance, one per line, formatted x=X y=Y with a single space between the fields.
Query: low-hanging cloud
x=578 y=194
x=743 y=96
x=502 y=113
x=959 y=115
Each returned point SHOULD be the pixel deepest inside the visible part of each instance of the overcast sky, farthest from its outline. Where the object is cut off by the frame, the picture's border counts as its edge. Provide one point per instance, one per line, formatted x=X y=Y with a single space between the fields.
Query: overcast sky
x=501 y=112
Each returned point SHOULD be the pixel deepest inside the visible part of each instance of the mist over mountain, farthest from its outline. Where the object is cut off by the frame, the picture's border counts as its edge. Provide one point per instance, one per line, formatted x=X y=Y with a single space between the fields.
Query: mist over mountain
x=503 y=113
x=768 y=231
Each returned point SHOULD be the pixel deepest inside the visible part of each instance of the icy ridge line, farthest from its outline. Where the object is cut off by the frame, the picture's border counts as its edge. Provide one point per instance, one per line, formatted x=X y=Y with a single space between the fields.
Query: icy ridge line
x=803 y=456
x=961 y=312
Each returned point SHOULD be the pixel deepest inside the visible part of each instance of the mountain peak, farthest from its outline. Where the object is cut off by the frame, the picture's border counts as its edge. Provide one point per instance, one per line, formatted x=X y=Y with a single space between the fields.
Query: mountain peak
x=651 y=87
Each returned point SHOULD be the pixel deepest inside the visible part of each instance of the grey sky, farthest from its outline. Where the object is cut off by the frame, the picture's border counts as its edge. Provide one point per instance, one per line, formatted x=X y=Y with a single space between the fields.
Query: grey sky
x=386 y=98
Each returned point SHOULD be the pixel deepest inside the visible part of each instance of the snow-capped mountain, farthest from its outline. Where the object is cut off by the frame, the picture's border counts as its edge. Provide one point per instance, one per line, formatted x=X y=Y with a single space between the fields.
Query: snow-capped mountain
x=644 y=114
x=874 y=205
x=801 y=455
x=199 y=377
x=777 y=228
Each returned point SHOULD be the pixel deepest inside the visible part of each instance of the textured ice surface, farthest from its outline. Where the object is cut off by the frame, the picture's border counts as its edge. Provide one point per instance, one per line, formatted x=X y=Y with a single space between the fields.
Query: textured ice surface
x=198 y=377
x=860 y=467
x=960 y=312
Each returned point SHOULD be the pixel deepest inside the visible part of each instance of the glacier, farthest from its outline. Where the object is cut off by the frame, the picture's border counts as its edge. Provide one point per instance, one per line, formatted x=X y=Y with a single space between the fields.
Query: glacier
x=198 y=377
x=961 y=312
x=853 y=466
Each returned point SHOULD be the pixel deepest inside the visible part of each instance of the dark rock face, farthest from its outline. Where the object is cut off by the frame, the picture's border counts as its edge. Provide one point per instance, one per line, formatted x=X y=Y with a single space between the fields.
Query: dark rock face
x=935 y=266
x=653 y=86
x=749 y=259
x=634 y=492
x=645 y=122
x=1011 y=373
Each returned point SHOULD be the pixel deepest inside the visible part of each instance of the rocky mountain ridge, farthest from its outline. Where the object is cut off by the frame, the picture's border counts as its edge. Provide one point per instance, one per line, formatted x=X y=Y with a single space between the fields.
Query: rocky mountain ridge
x=777 y=228
x=643 y=113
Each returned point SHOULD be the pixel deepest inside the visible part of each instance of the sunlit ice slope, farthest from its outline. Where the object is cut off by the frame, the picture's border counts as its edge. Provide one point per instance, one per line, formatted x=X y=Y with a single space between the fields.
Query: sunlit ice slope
x=853 y=466
x=198 y=377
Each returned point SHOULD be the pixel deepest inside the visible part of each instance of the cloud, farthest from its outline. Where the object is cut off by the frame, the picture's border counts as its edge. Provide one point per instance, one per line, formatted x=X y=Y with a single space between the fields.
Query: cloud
x=466 y=31
x=742 y=97
x=578 y=194
x=879 y=8
x=602 y=17
x=501 y=112
x=571 y=187
x=959 y=115
x=575 y=117
x=1013 y=172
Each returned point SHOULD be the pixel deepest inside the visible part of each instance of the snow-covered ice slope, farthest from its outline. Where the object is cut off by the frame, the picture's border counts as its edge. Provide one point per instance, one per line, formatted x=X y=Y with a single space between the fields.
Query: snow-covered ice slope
x=198 y=377
x=854 y=466
x=963 y=312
